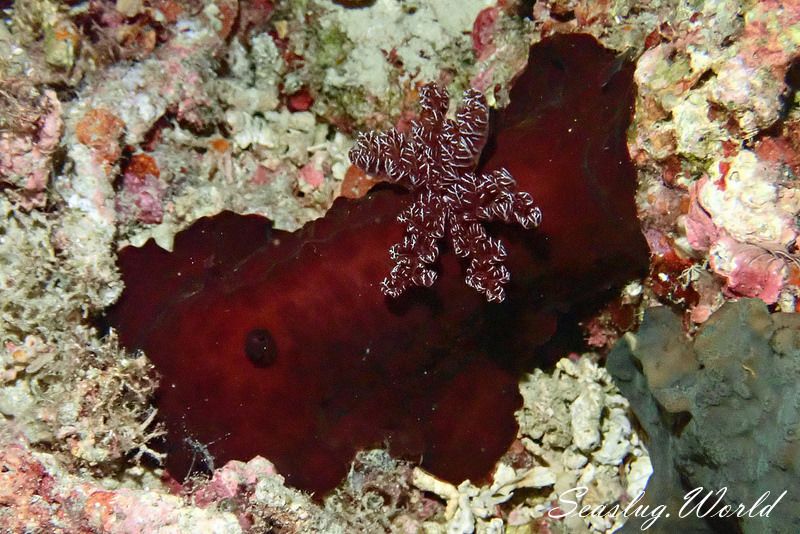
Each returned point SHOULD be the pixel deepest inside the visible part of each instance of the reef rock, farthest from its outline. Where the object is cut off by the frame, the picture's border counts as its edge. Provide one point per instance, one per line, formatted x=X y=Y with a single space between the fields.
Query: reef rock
x=720 y=411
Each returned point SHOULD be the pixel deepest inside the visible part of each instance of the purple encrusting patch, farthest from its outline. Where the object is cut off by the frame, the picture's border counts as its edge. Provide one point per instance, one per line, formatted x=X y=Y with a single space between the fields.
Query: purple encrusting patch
x=282 y=345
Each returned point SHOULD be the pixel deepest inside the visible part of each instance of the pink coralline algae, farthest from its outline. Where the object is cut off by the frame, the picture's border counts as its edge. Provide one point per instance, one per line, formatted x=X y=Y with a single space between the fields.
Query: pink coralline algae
x=743 y=221
x=36 y=496
x=483 y=32
x=749 y=270
x=25 y=156
x=311 y=174
x=436 y=160
x=142 y=193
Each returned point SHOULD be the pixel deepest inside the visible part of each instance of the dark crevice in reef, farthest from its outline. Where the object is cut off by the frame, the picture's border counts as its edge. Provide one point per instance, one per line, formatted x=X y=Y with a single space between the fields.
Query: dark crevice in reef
x=792 y=80
x=776 y=129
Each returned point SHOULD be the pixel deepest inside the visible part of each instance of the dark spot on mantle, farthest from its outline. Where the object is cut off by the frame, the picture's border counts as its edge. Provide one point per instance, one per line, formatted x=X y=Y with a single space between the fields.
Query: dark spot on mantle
x=260 y=348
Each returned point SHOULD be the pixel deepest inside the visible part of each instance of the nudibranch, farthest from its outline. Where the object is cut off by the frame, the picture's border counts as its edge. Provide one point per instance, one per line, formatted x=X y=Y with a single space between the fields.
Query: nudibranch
x=283 y=345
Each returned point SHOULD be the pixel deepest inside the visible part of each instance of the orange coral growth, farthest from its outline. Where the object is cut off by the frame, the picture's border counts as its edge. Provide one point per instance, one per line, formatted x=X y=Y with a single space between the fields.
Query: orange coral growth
x=101 y=130
x=143 y=165
x=170 y=9
x=356 y=183
x=100 y=509
x=137 y=40
x=65 y=31
x=220 y=145
x=228 y=11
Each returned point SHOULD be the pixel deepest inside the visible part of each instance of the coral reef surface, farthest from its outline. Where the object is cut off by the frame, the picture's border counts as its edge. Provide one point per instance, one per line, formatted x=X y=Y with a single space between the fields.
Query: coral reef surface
x=129 y=120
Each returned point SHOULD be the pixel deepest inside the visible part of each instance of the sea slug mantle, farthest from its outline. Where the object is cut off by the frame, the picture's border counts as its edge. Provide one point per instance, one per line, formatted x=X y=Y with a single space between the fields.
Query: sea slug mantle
x=282 y=344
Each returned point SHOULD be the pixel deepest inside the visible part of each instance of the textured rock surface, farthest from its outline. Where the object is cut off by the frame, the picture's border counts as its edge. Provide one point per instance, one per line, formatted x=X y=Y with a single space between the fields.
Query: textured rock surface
x=249 y=118
x=720 y=410
x=550 y=458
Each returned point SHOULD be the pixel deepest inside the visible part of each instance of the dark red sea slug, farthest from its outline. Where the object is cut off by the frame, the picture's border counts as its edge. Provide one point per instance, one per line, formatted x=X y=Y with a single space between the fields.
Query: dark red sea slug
x=282 y=344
